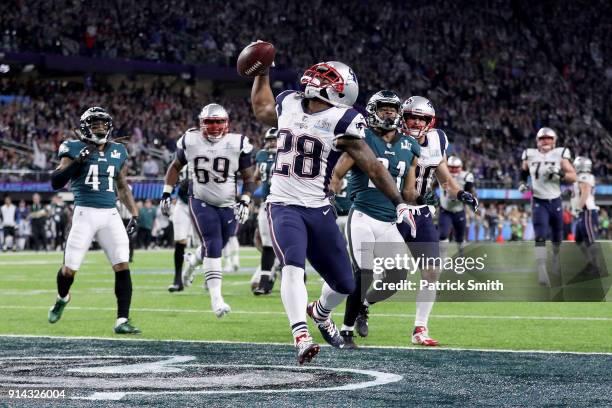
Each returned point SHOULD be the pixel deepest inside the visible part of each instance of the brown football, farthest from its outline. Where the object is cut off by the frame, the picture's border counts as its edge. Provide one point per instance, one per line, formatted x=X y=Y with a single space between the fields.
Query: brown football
x=255 y=58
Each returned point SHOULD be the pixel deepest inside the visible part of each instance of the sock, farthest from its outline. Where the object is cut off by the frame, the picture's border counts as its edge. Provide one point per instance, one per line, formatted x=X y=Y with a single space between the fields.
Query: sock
x=213 y=275
x=267 y=260
x=540 y=255
x=63 y=284
x=327 y=302
x=123 y=291
x=354 y=301
x=179 y=252
x=234 y=252
x=347 y=328
x=295 y=298
x=424 y=303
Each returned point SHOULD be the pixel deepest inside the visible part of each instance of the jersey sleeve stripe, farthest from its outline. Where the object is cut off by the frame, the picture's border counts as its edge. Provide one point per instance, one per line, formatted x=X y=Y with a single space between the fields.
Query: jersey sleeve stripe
x=180 y=155
x=279 y=101
x=443 y=141
x=332 y=159
x=345 y=121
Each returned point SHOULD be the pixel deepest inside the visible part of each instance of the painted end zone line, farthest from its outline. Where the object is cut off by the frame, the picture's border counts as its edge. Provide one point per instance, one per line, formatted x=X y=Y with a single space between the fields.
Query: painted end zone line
x=266 y=312
x=414 y=348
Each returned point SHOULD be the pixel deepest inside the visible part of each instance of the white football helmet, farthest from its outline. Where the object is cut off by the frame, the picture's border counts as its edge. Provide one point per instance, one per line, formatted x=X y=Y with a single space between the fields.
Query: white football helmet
x=214 y=122
x=95 y=126
x=454 y=164
x=388 y=98
x=333 y=82
x=543 y=142
x=583 y=164
x=420 y=107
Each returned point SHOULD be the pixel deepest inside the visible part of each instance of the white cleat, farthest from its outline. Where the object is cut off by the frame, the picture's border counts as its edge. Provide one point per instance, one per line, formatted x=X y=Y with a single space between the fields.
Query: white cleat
x=189 y=268
x=221 y=309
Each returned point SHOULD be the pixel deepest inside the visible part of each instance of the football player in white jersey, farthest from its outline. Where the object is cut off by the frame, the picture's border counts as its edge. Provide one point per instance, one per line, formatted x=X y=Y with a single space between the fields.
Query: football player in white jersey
x=585 y=210
x=452 y=211
x=315 y=127
x=419 y=119
x=548 y=166
x=214 y=156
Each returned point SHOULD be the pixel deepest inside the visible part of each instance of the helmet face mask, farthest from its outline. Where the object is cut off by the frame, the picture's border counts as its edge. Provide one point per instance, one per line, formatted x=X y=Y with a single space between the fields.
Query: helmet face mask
x=332 y=82
x=214 y=122
x=96 y=126
x=418 y=115
x=383 y=110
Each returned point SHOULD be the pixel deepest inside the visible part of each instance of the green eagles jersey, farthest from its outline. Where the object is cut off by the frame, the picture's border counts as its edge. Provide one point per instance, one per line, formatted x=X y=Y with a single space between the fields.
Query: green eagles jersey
x=93 y=184
x=265 y=163
x=397 y=158
x=342 y=201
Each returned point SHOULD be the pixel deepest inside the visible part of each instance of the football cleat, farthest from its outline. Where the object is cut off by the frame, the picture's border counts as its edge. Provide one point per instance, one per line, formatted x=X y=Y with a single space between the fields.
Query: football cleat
x=307 y=349
x=126 y=328
x=361 y=323
x=189 y=269
x=221 y=308
x=327 y=327
x=265 y=286
x=349 y=339
x=175 y=288
x=421 y=337
x=55 y=313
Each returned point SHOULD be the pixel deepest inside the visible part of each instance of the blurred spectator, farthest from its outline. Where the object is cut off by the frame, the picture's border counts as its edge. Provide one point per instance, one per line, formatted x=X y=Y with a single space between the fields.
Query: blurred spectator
x=38 y=218
x=146 y=216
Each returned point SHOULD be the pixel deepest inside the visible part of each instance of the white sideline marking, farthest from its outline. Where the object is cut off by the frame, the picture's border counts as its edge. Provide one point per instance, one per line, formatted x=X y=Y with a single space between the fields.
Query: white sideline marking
x=267 y=312
x=413 y=348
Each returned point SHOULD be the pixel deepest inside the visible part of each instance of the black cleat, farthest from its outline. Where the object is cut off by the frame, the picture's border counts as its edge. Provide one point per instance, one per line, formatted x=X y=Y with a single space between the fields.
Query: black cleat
x=175 y=288
x=361 y=323
x=349 y=339
x=265 y=286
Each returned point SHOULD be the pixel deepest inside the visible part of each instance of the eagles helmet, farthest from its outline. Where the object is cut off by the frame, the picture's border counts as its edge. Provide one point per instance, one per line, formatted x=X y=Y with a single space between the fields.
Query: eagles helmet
x=95 y=126
x=583 y=164
x=422 y=107
x=214 y=122
x=383 y=98
x=333 y=82
x=542 y=142
x=454 y=164
x=272 y=133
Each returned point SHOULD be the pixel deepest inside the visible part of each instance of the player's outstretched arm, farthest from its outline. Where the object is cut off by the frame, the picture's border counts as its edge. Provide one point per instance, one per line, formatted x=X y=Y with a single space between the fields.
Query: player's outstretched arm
x=343 y=165
x=172 y=174
x=569 y=173
x=448 y=183
x=125 y=193
x=409 y=191
x=263 y=102
x=364 y=157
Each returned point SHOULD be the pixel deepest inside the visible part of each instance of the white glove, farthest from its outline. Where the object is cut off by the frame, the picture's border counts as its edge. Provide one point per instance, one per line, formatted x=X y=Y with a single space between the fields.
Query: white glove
x=522 y=188
x=404 y=214
x=241 y=209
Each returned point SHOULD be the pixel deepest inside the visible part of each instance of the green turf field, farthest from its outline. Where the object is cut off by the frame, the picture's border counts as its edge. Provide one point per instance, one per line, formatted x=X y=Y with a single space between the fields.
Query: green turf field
x=28 y=289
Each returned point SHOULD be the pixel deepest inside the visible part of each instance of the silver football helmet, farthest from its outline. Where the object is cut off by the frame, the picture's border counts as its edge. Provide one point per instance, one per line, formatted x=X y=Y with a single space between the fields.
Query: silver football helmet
x=454 y=161
x=333 y=82
x=271 y=133
x=583 y=164
x=422 y=107
x=214 y=122
x=383 y=98
x=96 y=126
x=543 y=142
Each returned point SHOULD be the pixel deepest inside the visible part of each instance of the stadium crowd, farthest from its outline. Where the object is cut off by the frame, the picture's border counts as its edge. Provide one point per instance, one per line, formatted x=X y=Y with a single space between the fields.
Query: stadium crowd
x=496 y=71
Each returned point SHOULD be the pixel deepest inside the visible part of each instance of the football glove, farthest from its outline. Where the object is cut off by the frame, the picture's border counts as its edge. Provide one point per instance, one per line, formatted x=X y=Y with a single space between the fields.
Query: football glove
x=83 y=154
x=404 y=214
x=468 y=199
x=241 y=209
x=429 y=198
x=523 y=188
x=575 y=212
x=165 y=204
x=132 y=226
x=567 y=195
